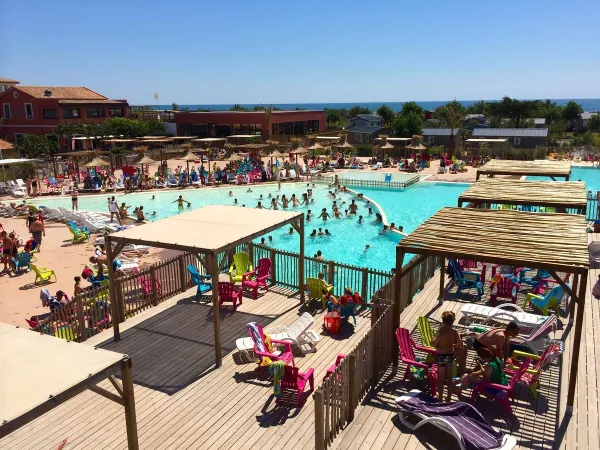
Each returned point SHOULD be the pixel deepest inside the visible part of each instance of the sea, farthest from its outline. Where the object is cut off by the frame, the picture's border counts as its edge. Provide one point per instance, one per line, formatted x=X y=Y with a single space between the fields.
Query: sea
x=588 y=104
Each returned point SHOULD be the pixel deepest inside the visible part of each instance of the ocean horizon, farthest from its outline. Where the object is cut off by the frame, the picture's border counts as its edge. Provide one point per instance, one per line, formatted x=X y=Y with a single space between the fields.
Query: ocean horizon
x=589 y=105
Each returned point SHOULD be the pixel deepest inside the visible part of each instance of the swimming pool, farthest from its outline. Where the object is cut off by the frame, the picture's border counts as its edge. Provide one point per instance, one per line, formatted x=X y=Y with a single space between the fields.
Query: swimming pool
x=374 y=175
x=590 y=175
x=408 y=207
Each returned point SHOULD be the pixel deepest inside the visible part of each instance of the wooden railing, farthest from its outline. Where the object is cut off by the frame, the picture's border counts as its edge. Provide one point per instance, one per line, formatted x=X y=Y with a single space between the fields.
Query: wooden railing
x=343 y=390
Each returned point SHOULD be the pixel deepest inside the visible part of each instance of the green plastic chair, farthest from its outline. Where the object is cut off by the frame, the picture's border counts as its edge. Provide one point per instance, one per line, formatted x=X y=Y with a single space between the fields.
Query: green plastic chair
x=241 y=265
x=315 y=288
x=427 y=335
x=42 y=274
x=78 y=236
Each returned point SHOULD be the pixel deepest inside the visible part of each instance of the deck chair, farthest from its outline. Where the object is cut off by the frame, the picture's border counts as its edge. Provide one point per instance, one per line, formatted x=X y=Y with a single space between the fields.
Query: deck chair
x=315 y=291
x=407 y=356
x=549 y=301
x=172 y=181
x=427 y=336
x=22 y=261
x=81 y=229
x=199 y=280
x=504 y=288
x=229 y=294
x=78 y=236
x=502 y=394
x=258 y=277
x=300 y=333
x=294 y=380
x=466 y=279
x=241 y=265
x=461 y=420
x=42 y=274
x=332 y=368
x=261 y=349
x=245 y=345
x=531 y=377
x=503 y=313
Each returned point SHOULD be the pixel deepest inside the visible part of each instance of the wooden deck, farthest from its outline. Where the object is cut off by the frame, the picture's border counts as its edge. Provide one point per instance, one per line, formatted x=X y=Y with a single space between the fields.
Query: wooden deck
x=182 y=403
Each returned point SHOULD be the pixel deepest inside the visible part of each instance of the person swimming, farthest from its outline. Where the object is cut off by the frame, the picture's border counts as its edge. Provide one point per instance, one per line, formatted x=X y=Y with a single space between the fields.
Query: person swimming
x=313 y=234
x=360 y=219
x=320 y=233
x=235 y=201
x=367 y=247
x=336 y=213
x=384 y=230
x=259 y=206
x=230 y=193
x=327 y=233
x=308 y=215
x=324 y=214
x=153 y=213
x=153 y=197
x=274 y=204
x=270 y=195
x=180 y=201
x=291 y=231
x=249 y=190
x=370 y=211
x=261 y=197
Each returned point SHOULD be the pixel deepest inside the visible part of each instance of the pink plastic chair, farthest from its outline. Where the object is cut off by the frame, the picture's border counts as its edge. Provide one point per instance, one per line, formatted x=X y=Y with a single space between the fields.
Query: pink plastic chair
x=146 y=286
x=505 y=288
x=229 y=294
x=261 y=351
x=407 y=356
x=502 y=394
x=332 y=368
x=472 y=266
x=294 y=380
x=262 y=273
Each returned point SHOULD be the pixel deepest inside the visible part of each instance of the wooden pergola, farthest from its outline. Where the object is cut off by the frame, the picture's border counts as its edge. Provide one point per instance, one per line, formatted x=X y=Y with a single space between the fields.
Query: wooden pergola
x=554 y=242
x=560 y=195
x=206 y=233
x=550 y=169
x=40 y=372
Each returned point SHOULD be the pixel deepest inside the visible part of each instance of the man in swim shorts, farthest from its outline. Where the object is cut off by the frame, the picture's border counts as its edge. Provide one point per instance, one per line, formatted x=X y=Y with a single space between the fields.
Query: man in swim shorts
x=496 y=340
x=180 y=201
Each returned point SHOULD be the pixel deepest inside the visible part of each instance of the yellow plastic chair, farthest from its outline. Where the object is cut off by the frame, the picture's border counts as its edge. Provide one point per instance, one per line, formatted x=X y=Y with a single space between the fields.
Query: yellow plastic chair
x=241 y=265
x=315 y=288
x=42 y=274
x=78 y=236
x=427 y=335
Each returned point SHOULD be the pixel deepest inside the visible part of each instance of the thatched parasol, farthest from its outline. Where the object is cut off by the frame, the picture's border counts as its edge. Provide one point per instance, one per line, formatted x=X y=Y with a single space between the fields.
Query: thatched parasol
x=344 y=144
x=189 y=156
x=276 y=154
x=315 y=146
x=144 y=160
x=236 y=157
x=96 y=162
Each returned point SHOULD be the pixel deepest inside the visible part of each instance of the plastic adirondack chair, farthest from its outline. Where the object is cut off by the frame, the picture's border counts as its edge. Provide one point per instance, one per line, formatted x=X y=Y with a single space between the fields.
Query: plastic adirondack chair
x=426 y=331
x=42 y=274
x=332 y=368
x=540 y=275
x=81 y=229
x=22 y=260
x=260 y=274
x=502 y=394
x=531 y=377
x=549 y=301
x=504 y=288
x=241 y=265
x=229 y=294
x=260 y=348
x=78 y=236
x=199 y=280
x=407 y=356
x=294 y=380
x=466 y=279
x=349 y=310
x=315 y=287
x=147 y=287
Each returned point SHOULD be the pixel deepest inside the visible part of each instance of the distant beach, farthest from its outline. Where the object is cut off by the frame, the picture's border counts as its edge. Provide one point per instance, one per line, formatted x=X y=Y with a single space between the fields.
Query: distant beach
x=588 y=104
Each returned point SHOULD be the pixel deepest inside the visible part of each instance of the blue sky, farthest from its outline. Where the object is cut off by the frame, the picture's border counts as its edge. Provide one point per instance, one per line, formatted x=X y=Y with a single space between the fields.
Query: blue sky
x=239 y=51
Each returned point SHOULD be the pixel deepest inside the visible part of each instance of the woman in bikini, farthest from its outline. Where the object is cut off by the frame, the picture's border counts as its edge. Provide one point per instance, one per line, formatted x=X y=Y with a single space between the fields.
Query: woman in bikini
x=274 y=204
x=284 y=201
x=295 y=201
x=180 y=201
x=324 y=214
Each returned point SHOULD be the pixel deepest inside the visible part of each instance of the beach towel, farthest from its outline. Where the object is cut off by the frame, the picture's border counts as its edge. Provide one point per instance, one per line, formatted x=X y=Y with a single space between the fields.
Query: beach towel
x=277 y=371
x=261 y=346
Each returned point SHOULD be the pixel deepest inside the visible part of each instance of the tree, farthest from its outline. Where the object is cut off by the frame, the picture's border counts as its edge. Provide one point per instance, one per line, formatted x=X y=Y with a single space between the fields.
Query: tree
x=479 y=107
x=174 y=106
x=412 y=107
x=238 y=107
x=386 y=113
x=572 y=111
x=336 y=116
x=513 y=109
x=451 y=115
x=593 y=124
x=64 y=132
x=407 y=125
x=34 y=146
x=357 y=110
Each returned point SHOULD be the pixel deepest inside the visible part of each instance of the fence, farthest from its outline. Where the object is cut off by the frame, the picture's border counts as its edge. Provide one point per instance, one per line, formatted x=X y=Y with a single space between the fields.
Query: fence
x=362 y=368
x=341 y=179
x=592 y=212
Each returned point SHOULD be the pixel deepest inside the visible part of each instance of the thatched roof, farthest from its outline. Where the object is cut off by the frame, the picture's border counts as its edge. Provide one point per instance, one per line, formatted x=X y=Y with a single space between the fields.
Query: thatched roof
x=344 y=144
x=556 y=242
x=143 y=160
x=189 y=156
x=96 y=162
x=540 y=168
x=315 y=146
x=236 y=157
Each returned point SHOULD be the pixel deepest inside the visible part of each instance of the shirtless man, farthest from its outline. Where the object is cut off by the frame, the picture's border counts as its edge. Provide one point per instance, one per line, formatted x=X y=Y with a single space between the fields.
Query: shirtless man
x=353 y=207
x=7 y=251
x=496 y=340
x=101 y=261
x=446 y=342
x=36 y=228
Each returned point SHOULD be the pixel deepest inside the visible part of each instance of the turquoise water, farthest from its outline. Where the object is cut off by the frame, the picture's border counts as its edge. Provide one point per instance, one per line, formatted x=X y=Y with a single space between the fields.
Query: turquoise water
x=590 y=175
x=408 y=207
x=375 y=175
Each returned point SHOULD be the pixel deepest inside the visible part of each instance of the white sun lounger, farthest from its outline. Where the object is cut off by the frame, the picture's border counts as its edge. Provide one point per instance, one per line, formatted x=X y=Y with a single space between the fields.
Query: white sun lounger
x=503 y=313
x=246 y=345
x=300 y=333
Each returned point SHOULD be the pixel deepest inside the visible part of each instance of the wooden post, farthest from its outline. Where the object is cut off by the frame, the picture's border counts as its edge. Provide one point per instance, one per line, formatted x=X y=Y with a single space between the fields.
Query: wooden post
x=396 y=307
x=301 y=259
x=114 y=308
x=571 y=307
x=331 y=274
x=154 y=285
x=129 y=398
x=273 y=257
x=319 y=420
x=576 y=343
x=80 y=318
x=477 y=176
x=251 y=252
x=211 y=261
x=365 y=282
x=352 y=382
x=442 y=281
x=182 y=273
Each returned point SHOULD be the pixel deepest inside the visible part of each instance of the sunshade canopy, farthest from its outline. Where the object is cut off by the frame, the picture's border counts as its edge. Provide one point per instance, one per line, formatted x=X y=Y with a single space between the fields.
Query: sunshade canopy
x=96 y=162
x=540 y=168
x=189 y=156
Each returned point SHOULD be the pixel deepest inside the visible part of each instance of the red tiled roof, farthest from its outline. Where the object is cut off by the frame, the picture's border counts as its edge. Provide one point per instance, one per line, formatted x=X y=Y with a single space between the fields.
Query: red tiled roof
x=8 y=80
x=116 y=102
x=5 y=145
x=62 y=92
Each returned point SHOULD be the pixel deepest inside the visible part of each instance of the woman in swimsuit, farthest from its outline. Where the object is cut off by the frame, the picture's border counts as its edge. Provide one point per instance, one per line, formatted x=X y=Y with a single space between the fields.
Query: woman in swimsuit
x=324 y=214
x=295 y=201
x=180 y=201
x=274 y=204
x=284 y=201
x=74 y=200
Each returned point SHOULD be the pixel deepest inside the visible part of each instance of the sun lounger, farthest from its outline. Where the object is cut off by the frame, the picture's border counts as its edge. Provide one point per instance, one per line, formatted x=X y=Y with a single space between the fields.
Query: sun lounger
x=300 y=334
x=503 y=313
x=459 y=419
x=246 y=345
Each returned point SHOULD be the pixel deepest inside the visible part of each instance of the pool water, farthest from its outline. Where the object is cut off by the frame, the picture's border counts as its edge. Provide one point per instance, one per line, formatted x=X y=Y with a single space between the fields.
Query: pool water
x=590 y=175
x=374 y=175
x=408 y=207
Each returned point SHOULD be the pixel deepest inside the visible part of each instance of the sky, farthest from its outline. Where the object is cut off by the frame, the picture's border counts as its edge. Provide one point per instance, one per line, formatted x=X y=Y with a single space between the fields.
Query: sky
x=309 y=51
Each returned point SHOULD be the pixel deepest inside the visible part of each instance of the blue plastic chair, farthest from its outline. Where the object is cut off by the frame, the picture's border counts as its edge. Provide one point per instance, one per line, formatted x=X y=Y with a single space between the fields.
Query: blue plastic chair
x=388 y=178
x=199 y=280
x=466 y=279
x=22 y=260
x=81 y=229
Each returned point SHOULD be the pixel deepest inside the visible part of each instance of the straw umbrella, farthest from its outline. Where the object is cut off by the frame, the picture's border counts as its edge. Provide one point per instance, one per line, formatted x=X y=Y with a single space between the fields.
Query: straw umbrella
x=189 y=156
x=144 y=161
x=416 y=144
x=96 y=162
x=314 y=146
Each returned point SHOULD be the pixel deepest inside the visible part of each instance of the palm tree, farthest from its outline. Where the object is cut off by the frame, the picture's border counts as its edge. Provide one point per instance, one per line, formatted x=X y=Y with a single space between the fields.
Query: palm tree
x=451 y=115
